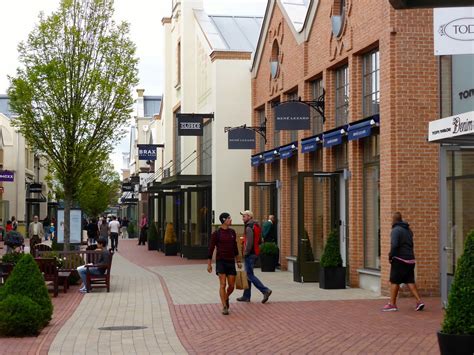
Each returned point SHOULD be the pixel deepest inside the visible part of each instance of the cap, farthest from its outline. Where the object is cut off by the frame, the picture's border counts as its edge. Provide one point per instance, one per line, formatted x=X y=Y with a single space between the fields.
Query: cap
x=223 y=216
x=247 y=212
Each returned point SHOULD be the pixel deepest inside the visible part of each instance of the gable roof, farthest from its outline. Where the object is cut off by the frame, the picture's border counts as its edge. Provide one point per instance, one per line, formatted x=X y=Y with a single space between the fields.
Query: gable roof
x=299 y=14
x=229 y=33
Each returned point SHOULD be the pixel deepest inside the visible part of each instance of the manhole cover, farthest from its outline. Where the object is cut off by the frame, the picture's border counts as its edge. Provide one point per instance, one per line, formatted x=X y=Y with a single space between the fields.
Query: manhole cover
x=123 y=327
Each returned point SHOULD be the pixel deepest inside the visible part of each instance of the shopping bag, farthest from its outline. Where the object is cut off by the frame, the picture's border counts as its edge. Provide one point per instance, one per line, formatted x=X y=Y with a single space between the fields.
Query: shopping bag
x=241 y=281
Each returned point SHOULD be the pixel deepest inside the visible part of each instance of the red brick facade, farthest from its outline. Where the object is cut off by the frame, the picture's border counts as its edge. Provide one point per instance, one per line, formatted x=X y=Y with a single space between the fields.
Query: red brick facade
x=408 y=101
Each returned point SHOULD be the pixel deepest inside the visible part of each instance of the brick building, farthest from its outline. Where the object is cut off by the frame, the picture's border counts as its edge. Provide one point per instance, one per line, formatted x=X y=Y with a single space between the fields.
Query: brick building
x=374 y=70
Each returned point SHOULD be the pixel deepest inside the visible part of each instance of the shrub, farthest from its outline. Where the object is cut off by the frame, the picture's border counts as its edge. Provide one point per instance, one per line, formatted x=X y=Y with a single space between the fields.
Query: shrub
x=152 y=233
x=12 y=258
x=459 y=317
x=332 y=256
x=170 y=235
x=20 y=316
x=26 y=280
x=14 y=239
x=269 y=248
x=131 y=229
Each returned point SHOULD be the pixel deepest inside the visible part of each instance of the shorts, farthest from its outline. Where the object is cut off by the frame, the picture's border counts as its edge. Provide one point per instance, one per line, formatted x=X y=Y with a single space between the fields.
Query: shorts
x=225 y=267
x=402 y=273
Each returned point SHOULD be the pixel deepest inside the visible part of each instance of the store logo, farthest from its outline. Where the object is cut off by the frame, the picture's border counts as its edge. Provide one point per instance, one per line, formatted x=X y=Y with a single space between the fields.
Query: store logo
x=466 y=94
x=460 y=29
x=460 y=126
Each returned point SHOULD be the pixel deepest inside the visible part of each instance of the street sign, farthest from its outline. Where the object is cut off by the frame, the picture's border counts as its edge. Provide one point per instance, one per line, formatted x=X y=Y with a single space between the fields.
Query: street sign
x=7 y=175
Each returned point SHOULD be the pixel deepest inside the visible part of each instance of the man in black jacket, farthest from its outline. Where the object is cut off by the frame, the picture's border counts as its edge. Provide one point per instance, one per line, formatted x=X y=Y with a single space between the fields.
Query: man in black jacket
x=402 y=260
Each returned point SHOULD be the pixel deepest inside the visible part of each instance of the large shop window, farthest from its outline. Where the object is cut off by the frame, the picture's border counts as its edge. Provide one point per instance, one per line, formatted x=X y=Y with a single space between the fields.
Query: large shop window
x=316 y=118
x=205 y=149
x=371 y=84
x=372 y=202
x=293 y=167
x=342 y=95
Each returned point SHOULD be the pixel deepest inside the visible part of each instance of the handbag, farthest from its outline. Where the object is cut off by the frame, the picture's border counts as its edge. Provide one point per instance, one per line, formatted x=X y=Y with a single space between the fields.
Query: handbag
x=241 y=281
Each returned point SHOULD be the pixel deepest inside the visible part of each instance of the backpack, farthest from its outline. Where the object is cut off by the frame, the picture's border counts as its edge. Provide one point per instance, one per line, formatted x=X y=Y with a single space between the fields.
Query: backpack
x=257 y=238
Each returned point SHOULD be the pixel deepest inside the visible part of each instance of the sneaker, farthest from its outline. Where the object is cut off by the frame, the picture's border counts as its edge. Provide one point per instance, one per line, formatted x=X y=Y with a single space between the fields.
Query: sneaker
x=83 y=290
x=419 y=306
x=389 y=308
x=225 y=311
x=266 y=296
x=243 y=299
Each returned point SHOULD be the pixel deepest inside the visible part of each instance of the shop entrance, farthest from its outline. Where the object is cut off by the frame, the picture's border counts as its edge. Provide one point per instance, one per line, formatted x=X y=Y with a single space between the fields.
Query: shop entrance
x=262 y=199
x=170 y=213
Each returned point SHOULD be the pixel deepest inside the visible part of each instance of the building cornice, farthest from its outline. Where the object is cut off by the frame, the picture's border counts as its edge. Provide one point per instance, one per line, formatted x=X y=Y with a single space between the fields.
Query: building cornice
x=230 y=55
x=165 y=20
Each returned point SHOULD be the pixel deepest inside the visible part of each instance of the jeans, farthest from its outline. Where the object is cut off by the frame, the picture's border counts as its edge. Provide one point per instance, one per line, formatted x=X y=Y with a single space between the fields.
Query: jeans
x=114 y=240
x=82 y=270
x=46 y=233
x=249 y=265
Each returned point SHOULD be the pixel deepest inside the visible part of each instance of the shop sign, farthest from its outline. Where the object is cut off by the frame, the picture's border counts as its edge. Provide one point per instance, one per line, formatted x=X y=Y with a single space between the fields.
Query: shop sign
x=452 y=126
x=453 y=30
x=190 y=125
x=127 y=187
x=292 y=115
x=7 y=175
x=147 y=151
x=241 y=138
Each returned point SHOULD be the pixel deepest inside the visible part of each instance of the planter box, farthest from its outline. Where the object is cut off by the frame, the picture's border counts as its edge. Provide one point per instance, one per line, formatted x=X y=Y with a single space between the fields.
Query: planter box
x=309 y=271
x=451 y=344
x=268 y=262
x=153 y=244
x=195 y=252
x=331 y=278
x=171 y=249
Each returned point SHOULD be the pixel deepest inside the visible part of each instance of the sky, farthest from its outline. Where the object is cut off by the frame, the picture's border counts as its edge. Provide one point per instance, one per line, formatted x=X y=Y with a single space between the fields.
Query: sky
x=18 y=17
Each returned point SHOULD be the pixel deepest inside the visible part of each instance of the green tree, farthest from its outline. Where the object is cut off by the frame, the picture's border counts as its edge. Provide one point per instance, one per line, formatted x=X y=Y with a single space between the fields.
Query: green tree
x=72 y=92
x=99 y=191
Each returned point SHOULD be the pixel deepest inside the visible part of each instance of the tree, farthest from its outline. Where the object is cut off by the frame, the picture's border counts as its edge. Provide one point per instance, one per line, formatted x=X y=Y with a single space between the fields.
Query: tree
x=99 y=191
x=72 y=93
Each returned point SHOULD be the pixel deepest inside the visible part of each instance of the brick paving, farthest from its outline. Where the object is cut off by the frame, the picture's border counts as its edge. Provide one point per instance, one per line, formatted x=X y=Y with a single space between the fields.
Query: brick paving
x=282 y=327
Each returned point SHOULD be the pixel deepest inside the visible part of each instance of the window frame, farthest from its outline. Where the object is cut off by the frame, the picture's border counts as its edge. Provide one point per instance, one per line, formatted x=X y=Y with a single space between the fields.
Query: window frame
x=374 y=70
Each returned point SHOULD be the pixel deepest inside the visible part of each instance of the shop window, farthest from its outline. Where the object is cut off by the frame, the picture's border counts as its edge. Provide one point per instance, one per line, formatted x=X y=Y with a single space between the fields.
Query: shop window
x=371 y=84
x=178 y=64
x=276 y=134
x=342 y=95
x=372 y=202
x=293 y=97
x=340 y=156
x=316 y=119
x=260 y=121
x=294 y=207
x=205 y=149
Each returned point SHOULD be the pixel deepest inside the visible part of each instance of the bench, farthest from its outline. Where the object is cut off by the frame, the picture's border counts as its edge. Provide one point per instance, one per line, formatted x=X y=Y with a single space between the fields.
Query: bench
x=99 y=281
x=49 y=269
x=39 y=247
x=5 y=271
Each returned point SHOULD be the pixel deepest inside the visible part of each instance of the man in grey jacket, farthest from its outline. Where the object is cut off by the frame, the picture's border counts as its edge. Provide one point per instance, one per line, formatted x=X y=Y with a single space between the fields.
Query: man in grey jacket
x=251 y=256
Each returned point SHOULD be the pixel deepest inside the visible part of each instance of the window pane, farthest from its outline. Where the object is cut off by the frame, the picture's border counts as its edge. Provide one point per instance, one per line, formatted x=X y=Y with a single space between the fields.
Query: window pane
x=371 y=84
x=316 y=119
x=342 y=95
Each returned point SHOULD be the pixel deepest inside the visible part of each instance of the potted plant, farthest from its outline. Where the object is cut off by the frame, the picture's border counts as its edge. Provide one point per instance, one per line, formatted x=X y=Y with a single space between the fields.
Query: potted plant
x=332 y=275
x=269 y=254
x=132 y=229
x=152 y=237
x=457 y=331
x=171 y=246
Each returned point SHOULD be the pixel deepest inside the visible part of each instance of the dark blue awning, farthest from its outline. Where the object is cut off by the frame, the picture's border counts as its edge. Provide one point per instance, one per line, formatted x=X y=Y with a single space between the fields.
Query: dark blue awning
x=269 y=157
x=310 y=145
x=333 y=138
x=362 y=129
x=256 y=160
x=288 y=150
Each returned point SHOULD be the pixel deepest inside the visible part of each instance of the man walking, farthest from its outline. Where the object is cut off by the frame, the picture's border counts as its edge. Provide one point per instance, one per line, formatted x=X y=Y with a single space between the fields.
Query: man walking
x=251 y=250
x=224 y=240
x=36 y=233
x=114 y=229
x=269 y=230
x=402 y=260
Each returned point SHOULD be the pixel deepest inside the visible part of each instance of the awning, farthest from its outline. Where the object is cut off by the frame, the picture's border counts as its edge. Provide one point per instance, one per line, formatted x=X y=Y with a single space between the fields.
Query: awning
x=269 y=157
x=179 y=180
x=255 y=160
x=310 y=144
x=333 y=138
x=288 y=150
x=362 y=128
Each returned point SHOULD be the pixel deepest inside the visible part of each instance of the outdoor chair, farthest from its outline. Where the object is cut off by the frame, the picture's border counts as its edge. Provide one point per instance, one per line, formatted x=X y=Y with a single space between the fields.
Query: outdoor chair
x=99 y=281
x=49 y=270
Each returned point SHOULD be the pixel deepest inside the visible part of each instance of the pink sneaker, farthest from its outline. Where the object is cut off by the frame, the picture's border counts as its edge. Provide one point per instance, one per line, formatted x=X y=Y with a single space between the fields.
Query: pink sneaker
x=389 y=308
x=419 y=306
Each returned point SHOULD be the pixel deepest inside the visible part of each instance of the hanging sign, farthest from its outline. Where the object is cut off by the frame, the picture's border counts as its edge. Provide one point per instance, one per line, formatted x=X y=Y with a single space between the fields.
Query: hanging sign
x=241 y=138
x=453 y=30
x=147 y=151
x=450 y=127
x=292 y=115
x=190 y=124
x=7 y=175
x=35 y=188
x=127 y=187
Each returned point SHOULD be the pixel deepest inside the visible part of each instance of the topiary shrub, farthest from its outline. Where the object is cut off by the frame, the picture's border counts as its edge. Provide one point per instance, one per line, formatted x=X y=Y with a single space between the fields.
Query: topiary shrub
x=20 y=316
x=26 y=280
x=152 y=233
x=332 y=256
x=131 y=229
x=12 y=258
x=459 y=316
x=269 y=248
x=170 y=235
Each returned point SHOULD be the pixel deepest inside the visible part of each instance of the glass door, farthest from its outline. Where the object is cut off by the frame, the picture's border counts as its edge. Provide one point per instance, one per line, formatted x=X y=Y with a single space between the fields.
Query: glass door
x=170 y=216
x=261 y=198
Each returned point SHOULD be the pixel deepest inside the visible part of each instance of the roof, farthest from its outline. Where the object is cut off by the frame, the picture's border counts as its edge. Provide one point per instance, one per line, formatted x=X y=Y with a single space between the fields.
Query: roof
x=230 y=33
x=152 y=105
x=5 y=106
x=297 y=11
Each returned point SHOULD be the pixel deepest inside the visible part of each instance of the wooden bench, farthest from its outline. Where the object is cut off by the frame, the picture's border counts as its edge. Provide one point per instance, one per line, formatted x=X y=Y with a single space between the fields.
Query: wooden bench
x=49 y=270
x=99 y=281
x=40 y=247
x=5 y=271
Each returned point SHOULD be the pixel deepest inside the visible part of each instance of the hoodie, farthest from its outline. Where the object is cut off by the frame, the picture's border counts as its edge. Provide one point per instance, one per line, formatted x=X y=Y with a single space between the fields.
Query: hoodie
x=401 y=242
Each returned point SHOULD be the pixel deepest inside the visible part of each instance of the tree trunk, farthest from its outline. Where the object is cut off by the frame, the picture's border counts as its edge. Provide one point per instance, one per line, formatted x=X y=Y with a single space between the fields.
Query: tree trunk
x=67 y=218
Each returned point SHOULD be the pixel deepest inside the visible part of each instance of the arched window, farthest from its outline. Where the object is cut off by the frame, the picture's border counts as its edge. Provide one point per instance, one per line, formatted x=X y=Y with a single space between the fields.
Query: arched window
x=274 y=59
x=337 y=18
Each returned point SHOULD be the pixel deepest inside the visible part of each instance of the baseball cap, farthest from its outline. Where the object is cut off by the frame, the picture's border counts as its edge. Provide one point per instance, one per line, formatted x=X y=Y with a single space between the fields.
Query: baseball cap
x=223 y=216
x=247 y=212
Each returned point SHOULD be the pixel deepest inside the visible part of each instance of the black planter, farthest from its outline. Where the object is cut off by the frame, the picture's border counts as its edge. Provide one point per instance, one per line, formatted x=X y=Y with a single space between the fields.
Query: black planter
x=309 y=271
x=331 y=278
x=268 y=262
x=171 y=249
x=152 y=244
x=452 y=344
